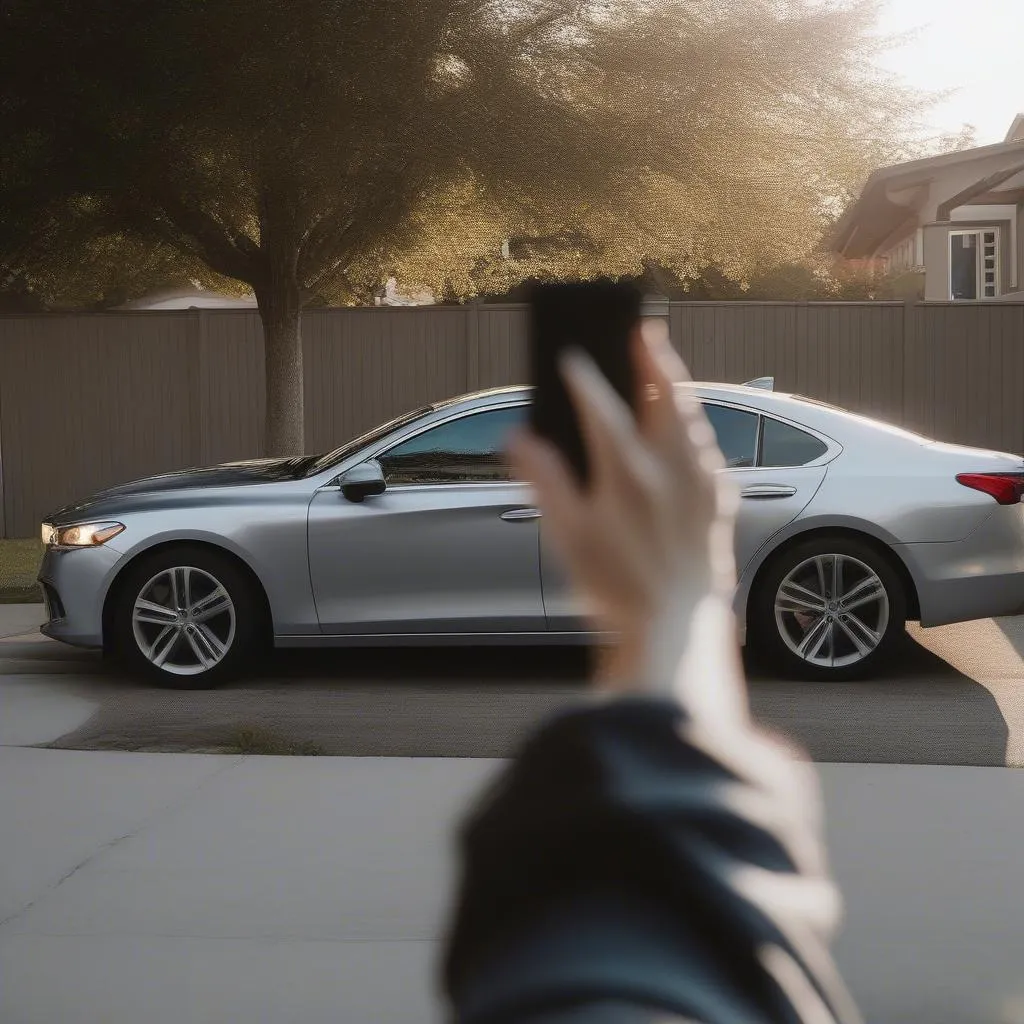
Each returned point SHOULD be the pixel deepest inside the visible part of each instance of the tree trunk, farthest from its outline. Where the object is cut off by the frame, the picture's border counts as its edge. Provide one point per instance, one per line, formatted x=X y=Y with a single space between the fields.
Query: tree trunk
x=281 y=311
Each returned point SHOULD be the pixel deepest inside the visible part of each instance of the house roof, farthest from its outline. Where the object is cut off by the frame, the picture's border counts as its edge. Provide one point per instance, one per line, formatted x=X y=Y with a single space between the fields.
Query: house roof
x=190 y=298
x=866 y=223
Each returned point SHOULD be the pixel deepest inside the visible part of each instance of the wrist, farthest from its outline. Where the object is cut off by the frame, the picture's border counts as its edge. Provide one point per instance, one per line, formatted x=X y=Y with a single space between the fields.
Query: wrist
x=649 y=649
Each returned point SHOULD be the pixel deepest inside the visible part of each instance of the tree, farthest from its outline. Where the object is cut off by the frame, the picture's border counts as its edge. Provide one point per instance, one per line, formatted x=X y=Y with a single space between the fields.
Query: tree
x=299 y=147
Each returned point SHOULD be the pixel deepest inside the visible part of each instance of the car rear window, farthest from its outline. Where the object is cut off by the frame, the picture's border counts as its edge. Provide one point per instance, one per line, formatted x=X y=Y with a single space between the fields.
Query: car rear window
x=784 y=445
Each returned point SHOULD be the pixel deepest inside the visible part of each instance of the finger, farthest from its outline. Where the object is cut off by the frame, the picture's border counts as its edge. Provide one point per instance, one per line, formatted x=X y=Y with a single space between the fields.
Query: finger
x=659 y=412
x=540 y=464
x=667 y=375
x=654 y=332
x=674 y=423
x=606 y=421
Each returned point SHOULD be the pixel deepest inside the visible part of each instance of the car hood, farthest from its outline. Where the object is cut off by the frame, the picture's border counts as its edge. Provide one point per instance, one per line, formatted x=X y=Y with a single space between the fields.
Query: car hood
x=230 y=474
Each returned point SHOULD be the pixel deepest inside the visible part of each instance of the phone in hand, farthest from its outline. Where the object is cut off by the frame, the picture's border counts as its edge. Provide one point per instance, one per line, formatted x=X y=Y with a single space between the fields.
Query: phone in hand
x=596 y=317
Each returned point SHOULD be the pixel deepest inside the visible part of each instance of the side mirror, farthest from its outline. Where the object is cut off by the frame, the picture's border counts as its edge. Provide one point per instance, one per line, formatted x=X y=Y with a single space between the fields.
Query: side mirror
x=363 y=481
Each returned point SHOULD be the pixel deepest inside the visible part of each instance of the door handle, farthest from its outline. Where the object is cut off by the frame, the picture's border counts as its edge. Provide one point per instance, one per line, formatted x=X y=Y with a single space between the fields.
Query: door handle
x=768 y=491
x=516 y=515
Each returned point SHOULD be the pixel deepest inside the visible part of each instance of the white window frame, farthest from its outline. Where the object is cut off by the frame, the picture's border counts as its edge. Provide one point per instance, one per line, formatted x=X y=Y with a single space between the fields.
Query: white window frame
x=980 y=283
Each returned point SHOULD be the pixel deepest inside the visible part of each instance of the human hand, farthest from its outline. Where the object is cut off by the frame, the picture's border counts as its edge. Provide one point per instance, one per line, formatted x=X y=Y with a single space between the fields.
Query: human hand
x=649 y=540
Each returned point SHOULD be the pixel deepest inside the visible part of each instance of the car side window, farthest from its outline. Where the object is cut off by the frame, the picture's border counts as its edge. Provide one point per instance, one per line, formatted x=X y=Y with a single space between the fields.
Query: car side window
x=783 y=445
x=736 y=431
x=470 y=449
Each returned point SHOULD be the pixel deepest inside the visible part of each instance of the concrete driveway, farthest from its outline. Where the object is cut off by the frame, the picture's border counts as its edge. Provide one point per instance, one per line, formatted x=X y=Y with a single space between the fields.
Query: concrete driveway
x=169 y=888
x=956 y=697
x=19 y=619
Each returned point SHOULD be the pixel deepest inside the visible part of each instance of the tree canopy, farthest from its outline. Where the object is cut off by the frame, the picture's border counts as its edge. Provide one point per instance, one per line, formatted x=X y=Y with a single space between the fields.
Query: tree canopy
x=308 y=148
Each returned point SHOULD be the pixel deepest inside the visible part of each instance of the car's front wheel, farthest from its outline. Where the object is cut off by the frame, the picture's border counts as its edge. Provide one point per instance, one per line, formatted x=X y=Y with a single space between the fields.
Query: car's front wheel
x=186 y=617
x=828 y=608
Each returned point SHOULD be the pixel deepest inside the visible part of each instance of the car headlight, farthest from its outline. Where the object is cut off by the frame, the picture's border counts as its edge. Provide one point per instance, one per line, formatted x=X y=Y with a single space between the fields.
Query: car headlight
x=82 y=535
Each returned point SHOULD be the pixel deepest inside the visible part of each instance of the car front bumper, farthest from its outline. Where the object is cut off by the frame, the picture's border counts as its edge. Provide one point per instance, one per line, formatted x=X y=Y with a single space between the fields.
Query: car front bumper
x=75 y=582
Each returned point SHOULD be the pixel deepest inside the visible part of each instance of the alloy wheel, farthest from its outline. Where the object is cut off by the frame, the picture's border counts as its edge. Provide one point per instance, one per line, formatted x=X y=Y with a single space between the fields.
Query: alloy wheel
x=832 y=610
x=184 y=621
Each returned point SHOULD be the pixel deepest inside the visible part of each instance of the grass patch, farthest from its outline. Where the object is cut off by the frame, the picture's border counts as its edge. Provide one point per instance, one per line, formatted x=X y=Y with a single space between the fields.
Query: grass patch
x=256 y=740
x=19 y=564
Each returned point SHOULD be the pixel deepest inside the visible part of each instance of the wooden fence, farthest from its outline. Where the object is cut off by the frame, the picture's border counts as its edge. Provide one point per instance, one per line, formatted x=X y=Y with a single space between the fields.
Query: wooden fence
x=89 y=401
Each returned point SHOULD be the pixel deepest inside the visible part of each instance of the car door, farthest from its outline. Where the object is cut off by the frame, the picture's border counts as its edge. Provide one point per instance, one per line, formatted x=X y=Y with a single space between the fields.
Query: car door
x=777 y=468
x=451 y=546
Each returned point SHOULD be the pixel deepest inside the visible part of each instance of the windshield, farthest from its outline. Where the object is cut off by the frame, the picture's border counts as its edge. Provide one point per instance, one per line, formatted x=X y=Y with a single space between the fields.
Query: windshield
x=318 y=463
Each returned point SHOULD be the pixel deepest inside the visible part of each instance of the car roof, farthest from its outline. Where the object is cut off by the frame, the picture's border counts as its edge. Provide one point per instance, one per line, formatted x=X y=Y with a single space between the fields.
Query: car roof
x=812 y=413
x=523 y=391
x=742 y=393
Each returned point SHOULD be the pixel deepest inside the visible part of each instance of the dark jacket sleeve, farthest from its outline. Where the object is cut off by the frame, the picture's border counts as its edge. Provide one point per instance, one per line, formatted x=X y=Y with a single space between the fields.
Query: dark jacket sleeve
x=626 y=863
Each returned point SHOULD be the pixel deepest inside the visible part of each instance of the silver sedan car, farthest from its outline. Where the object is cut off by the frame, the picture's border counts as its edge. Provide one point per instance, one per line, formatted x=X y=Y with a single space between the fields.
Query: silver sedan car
x=416 y=533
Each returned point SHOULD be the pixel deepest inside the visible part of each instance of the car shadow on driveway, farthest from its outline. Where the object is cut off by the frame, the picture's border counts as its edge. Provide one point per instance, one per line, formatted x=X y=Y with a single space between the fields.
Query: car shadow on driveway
x=924 y=711
x=479 y=702
x=417 y=666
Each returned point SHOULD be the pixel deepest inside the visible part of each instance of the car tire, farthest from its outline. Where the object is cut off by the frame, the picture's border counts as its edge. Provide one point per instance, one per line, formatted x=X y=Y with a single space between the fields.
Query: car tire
x=194 y=637
x=800 y=628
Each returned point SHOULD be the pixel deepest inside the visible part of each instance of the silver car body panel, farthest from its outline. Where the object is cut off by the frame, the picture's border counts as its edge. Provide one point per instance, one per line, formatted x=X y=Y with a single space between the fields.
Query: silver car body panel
x=439 y=564
x=426 y=559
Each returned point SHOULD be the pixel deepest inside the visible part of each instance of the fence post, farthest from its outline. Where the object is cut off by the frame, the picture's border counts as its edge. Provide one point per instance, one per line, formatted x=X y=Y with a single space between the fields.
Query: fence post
x=655 y=307
x=195 y=358
x=473 y=346
x=908 y=355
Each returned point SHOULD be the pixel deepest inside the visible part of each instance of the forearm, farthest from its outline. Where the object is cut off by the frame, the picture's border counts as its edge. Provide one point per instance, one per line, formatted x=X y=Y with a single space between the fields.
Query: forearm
x=628 y=836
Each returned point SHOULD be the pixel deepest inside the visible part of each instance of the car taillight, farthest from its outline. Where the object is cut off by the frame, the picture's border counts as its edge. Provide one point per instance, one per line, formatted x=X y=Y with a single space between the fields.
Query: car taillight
x=1006 y=488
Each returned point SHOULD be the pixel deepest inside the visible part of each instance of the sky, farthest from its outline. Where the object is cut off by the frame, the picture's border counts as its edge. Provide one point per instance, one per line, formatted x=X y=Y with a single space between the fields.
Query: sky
x=973 y=46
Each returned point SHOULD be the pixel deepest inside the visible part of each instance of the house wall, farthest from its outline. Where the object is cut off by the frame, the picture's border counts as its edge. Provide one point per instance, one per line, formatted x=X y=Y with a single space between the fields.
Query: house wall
x=1020 y=247
x=936 y=262
x=906 y=253
x=902 y=257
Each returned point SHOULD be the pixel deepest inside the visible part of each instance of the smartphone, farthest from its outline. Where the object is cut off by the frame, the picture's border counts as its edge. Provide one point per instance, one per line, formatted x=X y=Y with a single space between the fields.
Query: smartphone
x=597 y=317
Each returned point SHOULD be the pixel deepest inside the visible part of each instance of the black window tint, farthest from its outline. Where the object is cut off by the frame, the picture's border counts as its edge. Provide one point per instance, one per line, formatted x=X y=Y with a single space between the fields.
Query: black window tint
x=467 y=450
x=783 y=445
x=737 y=434
x=963 y=266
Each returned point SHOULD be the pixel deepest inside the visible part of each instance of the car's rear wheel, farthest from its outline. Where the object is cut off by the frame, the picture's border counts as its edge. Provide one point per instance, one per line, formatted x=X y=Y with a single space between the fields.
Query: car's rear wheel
x=828 y=608
x=186 y=617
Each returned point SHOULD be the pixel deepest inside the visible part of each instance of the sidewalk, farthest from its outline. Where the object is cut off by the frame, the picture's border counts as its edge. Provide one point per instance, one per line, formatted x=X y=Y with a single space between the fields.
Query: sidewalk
x=16 y=619
x=34 y=712
x=172 y=888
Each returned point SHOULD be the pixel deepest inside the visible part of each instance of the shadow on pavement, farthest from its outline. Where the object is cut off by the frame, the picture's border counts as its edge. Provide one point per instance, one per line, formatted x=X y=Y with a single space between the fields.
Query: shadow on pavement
x=418 y=666
x=479 y=702
x=924 y=712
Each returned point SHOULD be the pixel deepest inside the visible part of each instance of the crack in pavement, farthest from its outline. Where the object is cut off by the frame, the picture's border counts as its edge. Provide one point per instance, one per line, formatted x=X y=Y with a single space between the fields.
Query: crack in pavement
x=164 y=811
